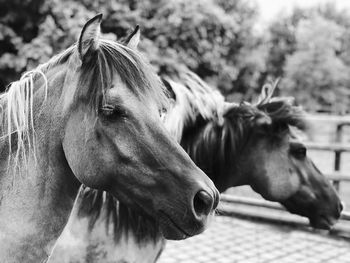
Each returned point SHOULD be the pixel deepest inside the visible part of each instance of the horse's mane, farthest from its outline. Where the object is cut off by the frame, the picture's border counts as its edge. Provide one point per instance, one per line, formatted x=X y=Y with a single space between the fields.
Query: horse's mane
x=281 y=110
x=210 y=130
x=16 y=116
x=97 y=73
x=194 y=98
x=122 y=219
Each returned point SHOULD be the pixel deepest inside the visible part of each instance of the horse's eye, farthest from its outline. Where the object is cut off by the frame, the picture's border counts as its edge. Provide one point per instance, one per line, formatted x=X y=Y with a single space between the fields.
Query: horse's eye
x=300 y=152
x=110 y=111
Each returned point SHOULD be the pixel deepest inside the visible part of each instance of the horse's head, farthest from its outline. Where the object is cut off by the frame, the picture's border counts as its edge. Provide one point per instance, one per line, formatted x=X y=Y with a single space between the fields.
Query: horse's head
x=276 y=165
x=114 y=140
x=238 y=144
x=315 y=197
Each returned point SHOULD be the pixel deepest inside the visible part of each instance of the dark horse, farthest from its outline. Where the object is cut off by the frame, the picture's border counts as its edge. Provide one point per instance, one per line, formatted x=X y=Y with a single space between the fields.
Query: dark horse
x=90 y=116
x=236 y=145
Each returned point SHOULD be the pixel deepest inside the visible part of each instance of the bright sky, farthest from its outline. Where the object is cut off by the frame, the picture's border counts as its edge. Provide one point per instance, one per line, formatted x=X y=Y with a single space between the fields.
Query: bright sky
x=269 y=9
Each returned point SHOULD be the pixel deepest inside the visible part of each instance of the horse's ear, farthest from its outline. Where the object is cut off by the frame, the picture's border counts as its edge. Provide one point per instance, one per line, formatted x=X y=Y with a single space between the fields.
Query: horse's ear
x=89 y=36
x=267 y=92
x=133 y=39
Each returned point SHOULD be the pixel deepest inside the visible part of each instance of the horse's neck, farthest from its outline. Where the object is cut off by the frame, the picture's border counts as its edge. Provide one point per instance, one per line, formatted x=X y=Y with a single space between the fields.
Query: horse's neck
x=73 y=244
x=35 y=203
x=78 y=242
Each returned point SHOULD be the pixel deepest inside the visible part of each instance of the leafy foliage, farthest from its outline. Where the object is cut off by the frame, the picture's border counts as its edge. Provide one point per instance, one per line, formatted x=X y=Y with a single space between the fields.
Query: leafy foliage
x=203 y=35
x=310 y=52
x=314 y=71
x=215 y=38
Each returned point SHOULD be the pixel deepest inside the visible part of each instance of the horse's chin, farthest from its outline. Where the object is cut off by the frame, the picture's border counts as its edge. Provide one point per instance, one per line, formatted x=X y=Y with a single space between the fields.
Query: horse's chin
x=322 y=222
x=170 y=229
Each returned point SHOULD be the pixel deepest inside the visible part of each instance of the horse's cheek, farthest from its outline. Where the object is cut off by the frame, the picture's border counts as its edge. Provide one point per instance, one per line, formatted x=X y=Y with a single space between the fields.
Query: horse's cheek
x=76 y=153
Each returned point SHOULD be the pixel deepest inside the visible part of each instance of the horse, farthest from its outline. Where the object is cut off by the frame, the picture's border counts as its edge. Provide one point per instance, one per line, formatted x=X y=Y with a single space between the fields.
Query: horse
x=91 y=115
x=261 y=140
x=235 y=144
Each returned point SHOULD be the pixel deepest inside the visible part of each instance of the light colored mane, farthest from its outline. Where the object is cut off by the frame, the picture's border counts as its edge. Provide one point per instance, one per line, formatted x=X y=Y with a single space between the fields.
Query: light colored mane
x=193 y=98
x=17 y=117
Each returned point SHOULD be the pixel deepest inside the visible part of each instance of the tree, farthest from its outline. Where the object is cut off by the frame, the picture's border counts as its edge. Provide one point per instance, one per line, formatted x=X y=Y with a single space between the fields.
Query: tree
x=314 y=74
x=282 y=41
x=33 y=31
x=213 y=38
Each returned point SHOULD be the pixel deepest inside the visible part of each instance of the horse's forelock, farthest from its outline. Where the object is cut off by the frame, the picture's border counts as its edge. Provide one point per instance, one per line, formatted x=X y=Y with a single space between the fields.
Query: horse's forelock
x=283 y=111
x=113 y=58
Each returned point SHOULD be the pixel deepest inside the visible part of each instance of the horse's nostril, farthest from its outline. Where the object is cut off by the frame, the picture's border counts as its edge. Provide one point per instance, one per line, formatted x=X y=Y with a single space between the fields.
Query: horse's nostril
x=203 y=203
x=341 y=206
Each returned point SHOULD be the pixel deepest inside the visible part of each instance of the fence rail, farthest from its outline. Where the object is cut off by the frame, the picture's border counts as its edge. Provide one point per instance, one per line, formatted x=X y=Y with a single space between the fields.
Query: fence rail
x=329 y=118
x=338 y=176
x=333 y=147
x=263 y=203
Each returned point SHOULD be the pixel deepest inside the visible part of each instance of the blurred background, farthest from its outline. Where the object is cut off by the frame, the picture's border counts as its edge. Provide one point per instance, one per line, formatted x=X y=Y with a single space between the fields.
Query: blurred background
x=235 y=45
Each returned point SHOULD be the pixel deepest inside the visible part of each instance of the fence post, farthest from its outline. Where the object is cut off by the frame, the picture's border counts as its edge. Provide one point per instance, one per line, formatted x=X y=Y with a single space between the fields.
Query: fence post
x=337 y=159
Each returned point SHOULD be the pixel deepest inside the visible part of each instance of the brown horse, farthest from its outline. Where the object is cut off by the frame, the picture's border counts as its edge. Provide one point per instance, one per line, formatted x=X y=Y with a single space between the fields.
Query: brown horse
x=236 y=145
x=90 y=116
